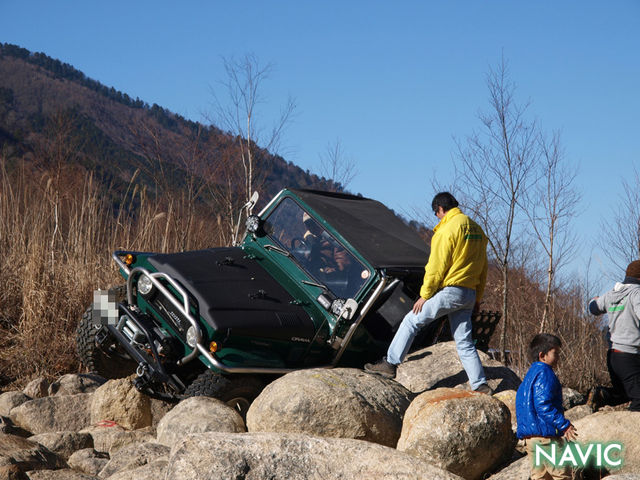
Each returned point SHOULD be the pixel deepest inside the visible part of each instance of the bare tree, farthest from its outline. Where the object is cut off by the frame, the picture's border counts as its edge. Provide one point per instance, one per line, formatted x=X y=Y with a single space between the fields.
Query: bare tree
x=620 y=238
x=495 y=166
x=336 y=167
x=236 y=112
x=550 y=207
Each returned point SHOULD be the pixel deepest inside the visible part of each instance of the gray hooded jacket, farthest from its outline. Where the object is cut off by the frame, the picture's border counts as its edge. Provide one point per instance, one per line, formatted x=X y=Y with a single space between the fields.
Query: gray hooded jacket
x=622 y=305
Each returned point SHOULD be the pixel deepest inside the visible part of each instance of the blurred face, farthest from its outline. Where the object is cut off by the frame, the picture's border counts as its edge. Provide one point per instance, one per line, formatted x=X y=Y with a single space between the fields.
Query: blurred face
x=551 y=357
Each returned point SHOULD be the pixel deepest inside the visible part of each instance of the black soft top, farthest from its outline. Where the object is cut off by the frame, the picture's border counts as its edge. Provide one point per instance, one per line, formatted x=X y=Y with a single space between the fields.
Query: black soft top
x=377 y=233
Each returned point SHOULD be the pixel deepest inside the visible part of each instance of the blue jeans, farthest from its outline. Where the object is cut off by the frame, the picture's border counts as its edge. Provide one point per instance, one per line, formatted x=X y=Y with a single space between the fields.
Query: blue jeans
x=457 y=303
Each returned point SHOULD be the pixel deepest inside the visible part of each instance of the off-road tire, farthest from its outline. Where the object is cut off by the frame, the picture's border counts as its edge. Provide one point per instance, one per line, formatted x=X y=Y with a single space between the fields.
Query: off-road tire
x=95 y=359
x=237 y=391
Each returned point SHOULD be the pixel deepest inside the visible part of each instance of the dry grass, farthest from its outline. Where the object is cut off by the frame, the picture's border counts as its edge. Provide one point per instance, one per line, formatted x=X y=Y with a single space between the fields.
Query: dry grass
x=57 y=233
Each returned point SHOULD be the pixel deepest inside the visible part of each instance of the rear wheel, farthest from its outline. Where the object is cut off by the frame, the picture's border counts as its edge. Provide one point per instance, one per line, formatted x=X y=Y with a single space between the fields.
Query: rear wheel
x=237 y=391
x=107 y=359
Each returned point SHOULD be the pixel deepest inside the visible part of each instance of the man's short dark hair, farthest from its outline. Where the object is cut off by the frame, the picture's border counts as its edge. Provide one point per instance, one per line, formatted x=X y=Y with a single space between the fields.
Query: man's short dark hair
x=542 y=343
x=444 y=200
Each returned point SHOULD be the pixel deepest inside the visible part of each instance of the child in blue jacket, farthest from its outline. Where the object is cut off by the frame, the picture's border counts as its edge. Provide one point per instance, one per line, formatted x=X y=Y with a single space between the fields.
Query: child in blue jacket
x=539 y=409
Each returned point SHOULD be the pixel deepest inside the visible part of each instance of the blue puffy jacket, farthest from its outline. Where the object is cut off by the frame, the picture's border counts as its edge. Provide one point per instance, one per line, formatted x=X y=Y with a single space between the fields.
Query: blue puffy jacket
x=539 y=404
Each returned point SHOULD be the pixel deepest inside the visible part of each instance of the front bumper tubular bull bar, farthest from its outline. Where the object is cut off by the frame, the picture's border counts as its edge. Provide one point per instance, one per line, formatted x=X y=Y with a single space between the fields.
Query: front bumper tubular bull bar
x=184 y=309
x=150 y=369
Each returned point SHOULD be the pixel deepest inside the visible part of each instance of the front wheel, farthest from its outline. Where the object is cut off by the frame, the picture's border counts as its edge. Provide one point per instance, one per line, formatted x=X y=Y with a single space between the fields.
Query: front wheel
x=108 y=360
x=237 y=391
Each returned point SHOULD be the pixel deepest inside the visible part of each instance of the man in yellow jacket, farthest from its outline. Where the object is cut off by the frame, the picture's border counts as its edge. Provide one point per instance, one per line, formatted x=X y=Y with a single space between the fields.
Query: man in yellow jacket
x=453 y=285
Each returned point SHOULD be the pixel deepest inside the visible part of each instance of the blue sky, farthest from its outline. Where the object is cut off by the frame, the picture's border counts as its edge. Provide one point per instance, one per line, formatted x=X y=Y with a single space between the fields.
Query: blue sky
x=394 y=81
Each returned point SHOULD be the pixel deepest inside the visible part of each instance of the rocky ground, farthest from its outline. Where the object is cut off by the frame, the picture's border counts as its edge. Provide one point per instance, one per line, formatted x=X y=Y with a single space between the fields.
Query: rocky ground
x=311 y=424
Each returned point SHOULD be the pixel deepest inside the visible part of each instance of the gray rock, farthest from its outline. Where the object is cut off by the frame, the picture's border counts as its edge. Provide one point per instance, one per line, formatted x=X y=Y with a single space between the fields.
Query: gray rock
x=53 y=414
x=119 y=401
x=27 y=455
x=37 y=388
x=623 y=476
x=197 y=415
x=64 y=474
x=290 y=456
x=74 y=383
x=63 y=443
x=576 y=413
x=150 y=471
x=571 y=398
x=466 y=433
x=88 y=461
x=10 y=400
x=342 y=403
x=438 y=366
x=619 y=427
x=133 y=456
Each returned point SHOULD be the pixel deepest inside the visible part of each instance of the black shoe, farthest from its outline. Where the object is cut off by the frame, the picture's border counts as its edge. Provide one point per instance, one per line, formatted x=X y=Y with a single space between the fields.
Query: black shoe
x=484 y=388
x=382 y=368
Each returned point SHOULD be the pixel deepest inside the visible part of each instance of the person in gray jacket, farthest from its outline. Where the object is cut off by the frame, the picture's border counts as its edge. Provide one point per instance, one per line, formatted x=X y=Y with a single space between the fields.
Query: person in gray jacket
x=622 y=306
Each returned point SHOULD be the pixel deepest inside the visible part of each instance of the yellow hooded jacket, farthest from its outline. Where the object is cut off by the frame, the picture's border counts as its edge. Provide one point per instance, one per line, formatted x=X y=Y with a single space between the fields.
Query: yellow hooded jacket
x=458 y=256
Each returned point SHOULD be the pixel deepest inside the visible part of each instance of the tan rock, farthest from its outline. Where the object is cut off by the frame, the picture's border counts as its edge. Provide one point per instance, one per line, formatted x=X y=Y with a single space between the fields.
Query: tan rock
x=53 y=414
x=466 y=433
x=291 y=456
x=439 y=366
x=119 y=401
x=63 y=443
x=343 y=403
x=197 y=415
x=623 y=427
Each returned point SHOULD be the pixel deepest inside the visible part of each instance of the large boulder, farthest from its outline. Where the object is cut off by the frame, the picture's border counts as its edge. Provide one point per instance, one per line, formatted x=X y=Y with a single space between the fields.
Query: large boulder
x=73 y=383
x=119 y=401
x=344 y=403
x=134 y=456
x=197 y=415
x=26 y=455
x=10 y=400
x=63 y=443
x=53 y=414
x=439 y=366
x=464 y=432
x=508 y=397
x=620 y=427
x=256 y=456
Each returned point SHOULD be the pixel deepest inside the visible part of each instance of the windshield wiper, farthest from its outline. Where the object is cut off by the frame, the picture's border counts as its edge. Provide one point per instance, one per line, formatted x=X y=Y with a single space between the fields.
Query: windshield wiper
x=275 y=248
x=313 y=284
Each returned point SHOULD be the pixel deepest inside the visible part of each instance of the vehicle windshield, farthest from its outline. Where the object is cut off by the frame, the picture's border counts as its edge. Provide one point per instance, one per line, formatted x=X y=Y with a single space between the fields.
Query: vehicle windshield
x=324 y=258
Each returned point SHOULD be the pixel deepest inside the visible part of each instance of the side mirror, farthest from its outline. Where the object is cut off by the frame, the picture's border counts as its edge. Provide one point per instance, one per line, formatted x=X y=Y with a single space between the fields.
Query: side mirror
x=349 y=309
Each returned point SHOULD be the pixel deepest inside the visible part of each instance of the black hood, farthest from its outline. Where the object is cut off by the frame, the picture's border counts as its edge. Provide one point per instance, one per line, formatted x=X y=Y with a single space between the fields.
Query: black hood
x=235 y=292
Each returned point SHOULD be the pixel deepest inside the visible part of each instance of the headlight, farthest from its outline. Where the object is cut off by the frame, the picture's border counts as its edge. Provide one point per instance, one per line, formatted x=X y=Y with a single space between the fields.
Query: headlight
x=144 y=285
x=192 y=339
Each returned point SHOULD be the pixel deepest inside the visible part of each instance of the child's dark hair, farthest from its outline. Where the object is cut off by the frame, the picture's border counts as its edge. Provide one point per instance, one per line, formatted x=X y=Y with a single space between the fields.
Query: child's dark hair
x=542 y=343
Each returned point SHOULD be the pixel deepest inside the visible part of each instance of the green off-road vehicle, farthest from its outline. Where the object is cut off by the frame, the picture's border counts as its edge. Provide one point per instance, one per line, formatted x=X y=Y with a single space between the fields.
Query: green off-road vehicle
x=321 y=280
